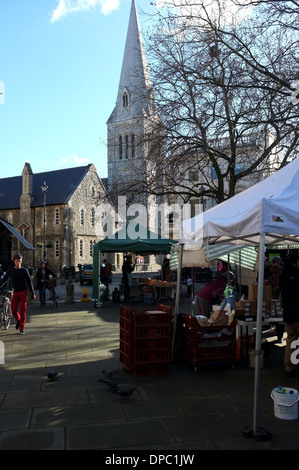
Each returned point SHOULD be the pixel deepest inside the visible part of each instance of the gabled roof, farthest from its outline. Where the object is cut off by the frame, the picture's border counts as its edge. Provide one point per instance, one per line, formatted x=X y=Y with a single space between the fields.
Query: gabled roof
x=61 y=185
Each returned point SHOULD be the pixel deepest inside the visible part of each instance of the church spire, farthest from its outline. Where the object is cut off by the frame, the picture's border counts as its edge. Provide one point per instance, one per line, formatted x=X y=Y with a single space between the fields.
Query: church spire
x=134 y=86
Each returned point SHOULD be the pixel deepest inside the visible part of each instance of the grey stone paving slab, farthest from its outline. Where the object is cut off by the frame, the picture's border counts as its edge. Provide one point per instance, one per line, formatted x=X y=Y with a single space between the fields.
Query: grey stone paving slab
x=33 y=439
x=199 y=427
x=109 y=436
x=70 y=383
x=194 y=406
x=14 y=419
x=152 y=409
x=38 y=399
x=76 y=415
x=19 y=385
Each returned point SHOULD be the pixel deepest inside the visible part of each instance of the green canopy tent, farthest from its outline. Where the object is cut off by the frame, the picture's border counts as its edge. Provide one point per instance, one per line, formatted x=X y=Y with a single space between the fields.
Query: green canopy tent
x=128 y=240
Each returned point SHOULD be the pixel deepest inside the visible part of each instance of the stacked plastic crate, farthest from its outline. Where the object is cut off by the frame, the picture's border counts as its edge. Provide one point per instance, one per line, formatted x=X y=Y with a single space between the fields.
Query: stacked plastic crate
x=146 y=340
x=207 y=344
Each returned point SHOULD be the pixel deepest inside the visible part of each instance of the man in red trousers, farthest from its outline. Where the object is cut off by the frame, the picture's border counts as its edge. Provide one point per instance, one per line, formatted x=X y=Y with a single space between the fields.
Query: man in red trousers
x=21 y=282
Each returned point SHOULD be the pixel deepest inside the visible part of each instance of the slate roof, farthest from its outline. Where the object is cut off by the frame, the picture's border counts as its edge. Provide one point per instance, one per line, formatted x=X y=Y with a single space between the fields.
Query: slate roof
x=61 y=185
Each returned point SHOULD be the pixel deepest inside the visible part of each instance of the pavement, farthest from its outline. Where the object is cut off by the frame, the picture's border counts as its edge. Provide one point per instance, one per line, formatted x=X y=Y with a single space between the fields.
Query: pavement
x=180 y=412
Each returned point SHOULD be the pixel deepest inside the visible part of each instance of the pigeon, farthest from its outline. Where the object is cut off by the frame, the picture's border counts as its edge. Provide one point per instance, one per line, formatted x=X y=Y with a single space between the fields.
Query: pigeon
x=110 y=373
x=125 y=392
x=110 y=383
x=52 y=375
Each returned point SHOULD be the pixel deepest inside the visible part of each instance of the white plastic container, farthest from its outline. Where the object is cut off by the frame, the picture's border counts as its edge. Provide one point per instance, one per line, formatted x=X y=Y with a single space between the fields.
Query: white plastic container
x=285 y=404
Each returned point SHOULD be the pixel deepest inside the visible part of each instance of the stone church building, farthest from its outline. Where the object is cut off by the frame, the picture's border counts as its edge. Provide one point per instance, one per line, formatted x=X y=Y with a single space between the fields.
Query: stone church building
x=68 y=225
x=134 y=123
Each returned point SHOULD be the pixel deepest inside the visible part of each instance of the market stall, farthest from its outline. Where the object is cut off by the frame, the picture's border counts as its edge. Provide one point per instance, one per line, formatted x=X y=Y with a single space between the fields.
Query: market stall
x=265 y=214
x=126 y=240
x=145 y=335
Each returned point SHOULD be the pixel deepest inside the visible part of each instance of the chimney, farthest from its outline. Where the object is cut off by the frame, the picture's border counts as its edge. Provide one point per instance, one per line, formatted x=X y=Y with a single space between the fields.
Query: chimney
x=27 y=180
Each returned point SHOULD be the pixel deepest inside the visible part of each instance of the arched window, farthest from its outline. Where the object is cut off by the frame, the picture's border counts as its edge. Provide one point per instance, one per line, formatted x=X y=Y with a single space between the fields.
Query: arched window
x=82 y=217
x=90 y=247
x=57 y=248
x=126 y=146
x=120 y=147
x=81 y=247
x=92 y=217
x=125 y=100
x=57 y=217
x=132 y=145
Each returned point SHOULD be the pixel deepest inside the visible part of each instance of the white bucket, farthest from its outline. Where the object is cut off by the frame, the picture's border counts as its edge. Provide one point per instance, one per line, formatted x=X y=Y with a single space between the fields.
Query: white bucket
x=285 y=404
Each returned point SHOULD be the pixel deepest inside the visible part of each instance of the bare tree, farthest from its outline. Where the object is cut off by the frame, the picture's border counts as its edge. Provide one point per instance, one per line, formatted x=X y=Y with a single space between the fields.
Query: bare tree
x=223 y=80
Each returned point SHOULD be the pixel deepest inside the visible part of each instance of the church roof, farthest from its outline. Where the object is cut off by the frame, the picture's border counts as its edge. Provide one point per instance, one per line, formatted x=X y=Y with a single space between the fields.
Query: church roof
x=134 y=78
x=61 y=185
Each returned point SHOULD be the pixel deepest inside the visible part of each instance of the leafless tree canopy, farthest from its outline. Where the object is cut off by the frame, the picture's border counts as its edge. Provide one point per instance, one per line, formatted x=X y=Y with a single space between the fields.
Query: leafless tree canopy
x=223 y=75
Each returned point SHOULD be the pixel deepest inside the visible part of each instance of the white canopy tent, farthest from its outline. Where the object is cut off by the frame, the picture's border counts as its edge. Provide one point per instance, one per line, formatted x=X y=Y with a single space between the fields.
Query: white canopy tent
x=265 y=214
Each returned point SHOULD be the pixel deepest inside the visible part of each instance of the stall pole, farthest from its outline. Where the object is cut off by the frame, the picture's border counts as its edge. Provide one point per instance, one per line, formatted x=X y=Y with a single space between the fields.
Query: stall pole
x=99 y=280
x=177 y=297
x=259 y=433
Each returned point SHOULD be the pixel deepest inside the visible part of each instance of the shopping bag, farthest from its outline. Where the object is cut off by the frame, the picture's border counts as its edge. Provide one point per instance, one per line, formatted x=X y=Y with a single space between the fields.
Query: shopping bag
x=219 y=318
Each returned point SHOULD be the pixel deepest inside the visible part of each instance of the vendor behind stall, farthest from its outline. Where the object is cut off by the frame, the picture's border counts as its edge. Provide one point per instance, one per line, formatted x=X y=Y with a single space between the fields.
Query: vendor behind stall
x=127 y=269
x=167 y=273
x=207 y=296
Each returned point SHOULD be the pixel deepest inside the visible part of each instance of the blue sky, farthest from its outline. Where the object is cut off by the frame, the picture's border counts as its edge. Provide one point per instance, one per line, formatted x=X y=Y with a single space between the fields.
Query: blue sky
x=60 y=63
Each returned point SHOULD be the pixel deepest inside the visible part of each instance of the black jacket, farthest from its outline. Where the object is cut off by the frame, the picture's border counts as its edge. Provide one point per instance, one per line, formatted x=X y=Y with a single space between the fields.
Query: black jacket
x=20 y=279
x=39 y=277
x=289 y=288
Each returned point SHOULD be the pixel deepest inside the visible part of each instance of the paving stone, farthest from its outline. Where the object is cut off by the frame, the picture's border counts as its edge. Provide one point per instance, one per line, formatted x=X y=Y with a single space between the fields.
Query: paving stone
x=152 y=409
x=33 y=439
x=199 y=427
x=75 y=415
x=107 y=436
x=15 y=419
x=38 y=399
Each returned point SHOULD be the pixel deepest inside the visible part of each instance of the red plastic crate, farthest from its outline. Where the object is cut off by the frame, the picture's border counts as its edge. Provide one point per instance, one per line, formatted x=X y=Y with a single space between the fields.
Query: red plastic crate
x=152 y=356
x=125 y=360
x=152 y=332
x=196 y=347
x=145 y=339
x=210 y=354
x=125 y=336
x=152 y=344
x=190 y=321
x=126 y=348
x=147 y=319
x=165 y=308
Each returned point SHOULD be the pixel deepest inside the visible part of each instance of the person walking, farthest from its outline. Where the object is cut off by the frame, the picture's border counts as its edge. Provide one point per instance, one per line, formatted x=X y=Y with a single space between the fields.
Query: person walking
x=42 y=276
x=127 y=269
x=21 y=282
x=289 y=287
x=105 y=276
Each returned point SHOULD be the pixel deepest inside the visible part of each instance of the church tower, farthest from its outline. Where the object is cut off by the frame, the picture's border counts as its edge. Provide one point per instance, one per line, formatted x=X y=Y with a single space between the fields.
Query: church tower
x=132 y=123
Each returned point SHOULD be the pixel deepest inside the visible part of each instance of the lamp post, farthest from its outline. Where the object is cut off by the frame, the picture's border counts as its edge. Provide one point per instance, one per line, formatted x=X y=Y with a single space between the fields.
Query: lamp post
x=44 y=189
x=202 y=199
